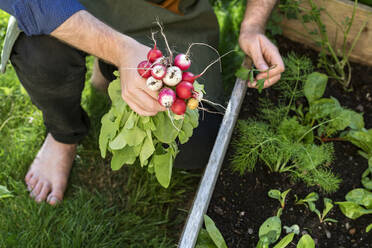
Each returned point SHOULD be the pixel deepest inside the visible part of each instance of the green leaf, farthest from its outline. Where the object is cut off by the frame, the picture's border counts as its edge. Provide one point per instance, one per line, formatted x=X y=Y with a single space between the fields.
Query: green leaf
x=367 y=177
x=119 y=141
x=192 y=116
x=360 y=196
x=134 y=136
x=271 y=228
x=204 y=240
x=306 y=242
x=263 y=242
x=312 y=197
x=214 y=233
x=327 y=206
x=352 y=210
x=114 y=91
x=323 y=108
x=121 y=157
x=148 y=148
x=108 y=131
x=285 y=193
x=199 y=87
x=260 y=85
x=165 y=131
x=315 y=86
x=369 y=227
x=163 y=168
x=285 y=241
x=292 y=229
x=242 y=73
x=274 y=193
x=5 y=193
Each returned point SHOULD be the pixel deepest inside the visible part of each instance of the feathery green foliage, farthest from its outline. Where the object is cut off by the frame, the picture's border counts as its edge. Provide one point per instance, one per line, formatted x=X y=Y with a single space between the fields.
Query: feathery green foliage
x=283 y=136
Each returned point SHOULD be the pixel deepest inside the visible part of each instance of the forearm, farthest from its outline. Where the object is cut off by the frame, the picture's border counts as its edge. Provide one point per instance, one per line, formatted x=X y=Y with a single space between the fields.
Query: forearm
x=257 y=13
x=87 y=33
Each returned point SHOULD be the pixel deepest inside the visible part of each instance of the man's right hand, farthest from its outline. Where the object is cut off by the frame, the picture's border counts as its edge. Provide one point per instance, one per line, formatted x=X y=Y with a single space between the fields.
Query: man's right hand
x=134 y=90
x=84 y=31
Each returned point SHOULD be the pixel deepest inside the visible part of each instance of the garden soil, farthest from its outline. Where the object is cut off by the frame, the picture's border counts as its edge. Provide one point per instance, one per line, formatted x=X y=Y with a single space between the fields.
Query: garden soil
x=240 y=203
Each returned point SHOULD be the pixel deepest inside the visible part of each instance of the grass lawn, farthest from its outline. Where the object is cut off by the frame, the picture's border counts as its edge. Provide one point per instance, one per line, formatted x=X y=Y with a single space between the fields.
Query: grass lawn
x=102 y=208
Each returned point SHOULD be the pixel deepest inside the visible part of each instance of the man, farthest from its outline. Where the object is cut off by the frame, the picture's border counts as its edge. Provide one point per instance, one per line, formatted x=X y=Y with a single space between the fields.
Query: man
x=49 y=58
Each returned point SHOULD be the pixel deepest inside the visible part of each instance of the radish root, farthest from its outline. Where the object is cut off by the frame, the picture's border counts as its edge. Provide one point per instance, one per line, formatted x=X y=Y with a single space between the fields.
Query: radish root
x=204 y=44
x=170 y=53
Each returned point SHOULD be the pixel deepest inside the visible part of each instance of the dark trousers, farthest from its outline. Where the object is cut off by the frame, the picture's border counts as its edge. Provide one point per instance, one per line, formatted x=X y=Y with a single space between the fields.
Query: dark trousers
x=53 y=74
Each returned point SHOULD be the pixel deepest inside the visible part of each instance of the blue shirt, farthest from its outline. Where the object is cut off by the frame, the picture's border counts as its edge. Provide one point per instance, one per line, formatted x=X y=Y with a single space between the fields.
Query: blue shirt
x=36 y=17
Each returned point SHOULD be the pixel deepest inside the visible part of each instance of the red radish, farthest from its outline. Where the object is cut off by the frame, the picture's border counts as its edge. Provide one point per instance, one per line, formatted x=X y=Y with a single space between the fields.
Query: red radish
x=182 y=61
x=154 y=54
x=144 y=69
x=192 y=103
x=154 y=84
x=162 y=60
x=166 y=97
x=173 y=76
x=158 y=71
x=188 y=76
x=179 y=107
x=184 y=90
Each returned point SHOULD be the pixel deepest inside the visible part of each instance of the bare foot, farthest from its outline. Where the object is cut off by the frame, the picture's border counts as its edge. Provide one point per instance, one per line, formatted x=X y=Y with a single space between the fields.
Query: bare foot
x=48 y=175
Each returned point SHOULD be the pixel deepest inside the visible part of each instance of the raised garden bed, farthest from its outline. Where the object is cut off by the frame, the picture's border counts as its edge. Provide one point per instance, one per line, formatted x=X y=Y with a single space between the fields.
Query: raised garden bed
x=240 y=203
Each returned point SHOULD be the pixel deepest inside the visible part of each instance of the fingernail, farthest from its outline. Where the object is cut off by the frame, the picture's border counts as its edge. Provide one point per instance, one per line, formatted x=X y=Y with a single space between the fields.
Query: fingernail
x=29 y=188
x=263 y=67
x=53 y=200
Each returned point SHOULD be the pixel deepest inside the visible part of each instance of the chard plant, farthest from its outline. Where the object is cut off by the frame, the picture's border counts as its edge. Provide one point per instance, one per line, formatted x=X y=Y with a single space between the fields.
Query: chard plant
x=210 y=237
x=280 y=196
x=309 y=202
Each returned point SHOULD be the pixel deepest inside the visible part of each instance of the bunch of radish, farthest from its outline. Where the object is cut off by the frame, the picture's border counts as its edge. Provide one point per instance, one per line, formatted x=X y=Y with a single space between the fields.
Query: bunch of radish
x=171 y=79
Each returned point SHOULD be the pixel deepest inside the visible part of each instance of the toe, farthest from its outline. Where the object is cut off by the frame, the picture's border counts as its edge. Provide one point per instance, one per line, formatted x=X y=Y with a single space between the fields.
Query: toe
x=55 y=197
x=33 y=181
x=43 y=193
x=36 y=190
x=28 y=177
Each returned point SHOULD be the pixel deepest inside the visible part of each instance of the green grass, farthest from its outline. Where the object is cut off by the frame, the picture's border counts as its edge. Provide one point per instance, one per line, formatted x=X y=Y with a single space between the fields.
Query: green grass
x=102 y=208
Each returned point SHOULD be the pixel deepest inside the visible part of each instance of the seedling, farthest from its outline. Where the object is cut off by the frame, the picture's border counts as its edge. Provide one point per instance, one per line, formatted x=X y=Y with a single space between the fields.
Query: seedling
x=310 y=200
x=250 y=74
x=276 y=194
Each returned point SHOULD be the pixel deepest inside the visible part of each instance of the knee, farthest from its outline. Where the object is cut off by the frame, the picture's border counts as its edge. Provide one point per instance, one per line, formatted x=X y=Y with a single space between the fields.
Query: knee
x=46 y=58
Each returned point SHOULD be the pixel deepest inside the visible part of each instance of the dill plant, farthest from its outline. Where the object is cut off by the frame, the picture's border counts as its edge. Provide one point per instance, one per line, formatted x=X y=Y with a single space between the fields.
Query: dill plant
x=283 y=136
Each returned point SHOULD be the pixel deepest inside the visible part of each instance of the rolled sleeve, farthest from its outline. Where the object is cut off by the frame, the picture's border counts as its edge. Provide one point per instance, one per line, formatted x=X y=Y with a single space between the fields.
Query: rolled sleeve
x=36 y=17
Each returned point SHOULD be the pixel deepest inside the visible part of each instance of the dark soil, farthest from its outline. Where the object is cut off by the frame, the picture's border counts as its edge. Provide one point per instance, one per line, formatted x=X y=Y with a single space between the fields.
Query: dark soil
x=240 y=203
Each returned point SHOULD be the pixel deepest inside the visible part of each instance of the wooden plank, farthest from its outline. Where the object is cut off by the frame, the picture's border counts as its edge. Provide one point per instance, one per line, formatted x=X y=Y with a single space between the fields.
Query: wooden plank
x=339 y=10
x=201 y=202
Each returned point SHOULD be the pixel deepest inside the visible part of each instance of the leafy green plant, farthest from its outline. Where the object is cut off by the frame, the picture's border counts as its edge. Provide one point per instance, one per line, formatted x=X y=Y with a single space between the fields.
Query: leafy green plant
x=280 y=196
x=336 y=67
x=309 y=201
x=306 y=242
x=210 y=237
x=149 y=141
x=358 y=202
x=5 y=193
x=250 y=73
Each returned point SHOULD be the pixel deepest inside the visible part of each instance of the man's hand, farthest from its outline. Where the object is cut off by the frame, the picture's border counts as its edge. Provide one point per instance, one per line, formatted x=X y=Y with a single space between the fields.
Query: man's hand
x=255 y=44
x=264 y=53
x=134 y=90
x=84 y=31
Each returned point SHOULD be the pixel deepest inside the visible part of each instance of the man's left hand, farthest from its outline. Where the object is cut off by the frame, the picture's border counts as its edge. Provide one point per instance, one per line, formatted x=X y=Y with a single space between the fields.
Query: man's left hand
x=264 y=53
